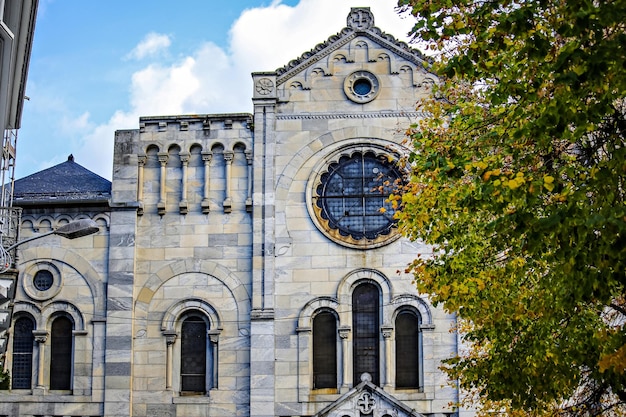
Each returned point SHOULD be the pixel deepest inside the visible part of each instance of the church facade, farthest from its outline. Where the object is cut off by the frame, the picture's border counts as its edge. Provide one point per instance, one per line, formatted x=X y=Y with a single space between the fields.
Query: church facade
x=246 y=264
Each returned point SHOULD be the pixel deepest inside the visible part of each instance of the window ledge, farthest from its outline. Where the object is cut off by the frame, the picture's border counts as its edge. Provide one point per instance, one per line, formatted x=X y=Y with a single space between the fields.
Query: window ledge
x=191 y=399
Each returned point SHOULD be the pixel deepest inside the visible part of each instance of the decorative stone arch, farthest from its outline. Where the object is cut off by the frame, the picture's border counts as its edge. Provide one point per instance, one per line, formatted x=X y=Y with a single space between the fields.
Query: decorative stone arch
x=103 y=220
x=44 y=222
x=58 y=255
x=330 y=143
x=308 y=311
x=61 y=307
x=356 y=277
x=230 y=281
x=26 y=308
x=178 y=309
x=313 y=155
x=410 y=300
x=63 y=219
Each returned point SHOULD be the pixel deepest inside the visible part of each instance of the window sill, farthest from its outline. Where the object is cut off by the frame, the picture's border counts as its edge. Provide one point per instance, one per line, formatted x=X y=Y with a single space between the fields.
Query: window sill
x=192 y=399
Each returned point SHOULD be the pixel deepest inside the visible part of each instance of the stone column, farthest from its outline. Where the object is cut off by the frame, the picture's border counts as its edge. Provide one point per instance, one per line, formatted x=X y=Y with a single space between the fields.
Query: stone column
x=346 y=375
x=163 y=157
x=141 y=162
x=388 y=364
x=40 y=337
x=249 y=195
x=182 y=206
x=228 y=158
x=170 y=338
x=206 y=157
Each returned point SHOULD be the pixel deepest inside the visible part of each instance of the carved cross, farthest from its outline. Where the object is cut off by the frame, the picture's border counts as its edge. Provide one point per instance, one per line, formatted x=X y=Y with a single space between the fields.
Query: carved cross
x=366 y=403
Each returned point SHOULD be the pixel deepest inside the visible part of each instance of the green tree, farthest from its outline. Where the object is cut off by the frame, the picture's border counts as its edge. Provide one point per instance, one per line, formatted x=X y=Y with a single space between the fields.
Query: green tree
x=517 y=179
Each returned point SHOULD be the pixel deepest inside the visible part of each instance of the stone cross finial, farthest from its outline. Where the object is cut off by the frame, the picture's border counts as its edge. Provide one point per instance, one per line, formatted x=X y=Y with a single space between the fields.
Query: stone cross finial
x=360 y=18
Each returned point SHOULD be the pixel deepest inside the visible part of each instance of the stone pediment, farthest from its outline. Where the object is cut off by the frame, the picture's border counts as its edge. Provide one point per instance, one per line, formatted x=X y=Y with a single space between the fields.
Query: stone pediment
x=366 y=399
x=360 y=25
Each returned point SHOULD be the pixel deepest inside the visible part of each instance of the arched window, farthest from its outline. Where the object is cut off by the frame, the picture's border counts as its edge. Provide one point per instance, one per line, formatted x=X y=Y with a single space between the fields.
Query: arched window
x=407 y=349
x=196 y=356
x=61 y=354
x=23 y=340
x=366 y=328
x=324 y=350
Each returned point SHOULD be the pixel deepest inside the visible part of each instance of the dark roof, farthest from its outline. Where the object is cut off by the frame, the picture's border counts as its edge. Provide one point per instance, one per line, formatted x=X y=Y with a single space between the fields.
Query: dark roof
x=67 y=182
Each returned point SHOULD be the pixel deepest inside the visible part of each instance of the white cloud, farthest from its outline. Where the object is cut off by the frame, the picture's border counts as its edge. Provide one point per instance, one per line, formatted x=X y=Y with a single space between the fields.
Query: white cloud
x=152 y=44
x=214 y=80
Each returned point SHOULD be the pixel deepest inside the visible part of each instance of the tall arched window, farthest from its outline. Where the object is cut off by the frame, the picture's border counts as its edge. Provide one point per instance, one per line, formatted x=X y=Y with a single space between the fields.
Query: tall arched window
x=61 y=354
x=366 y=328
x=23 y=340
x=407 y=349
x=324 y=350
x=196 y=356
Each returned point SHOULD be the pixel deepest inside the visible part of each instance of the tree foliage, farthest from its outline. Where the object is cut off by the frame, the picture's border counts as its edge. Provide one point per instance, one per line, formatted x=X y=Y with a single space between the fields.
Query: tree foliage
x=517 y=179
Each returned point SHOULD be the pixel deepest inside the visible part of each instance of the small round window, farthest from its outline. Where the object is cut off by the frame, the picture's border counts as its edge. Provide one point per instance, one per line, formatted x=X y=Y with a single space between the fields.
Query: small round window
x=43 y=280
x=361 y=86
x=349 y=199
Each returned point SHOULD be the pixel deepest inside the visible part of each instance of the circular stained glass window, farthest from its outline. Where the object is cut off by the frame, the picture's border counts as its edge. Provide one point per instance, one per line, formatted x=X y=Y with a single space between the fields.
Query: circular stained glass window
x=350 y=199
x=43 y=280
x=361 y=86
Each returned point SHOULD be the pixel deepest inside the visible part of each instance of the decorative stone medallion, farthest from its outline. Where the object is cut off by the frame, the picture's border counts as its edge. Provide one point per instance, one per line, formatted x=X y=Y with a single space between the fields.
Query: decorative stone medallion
x=264 y=86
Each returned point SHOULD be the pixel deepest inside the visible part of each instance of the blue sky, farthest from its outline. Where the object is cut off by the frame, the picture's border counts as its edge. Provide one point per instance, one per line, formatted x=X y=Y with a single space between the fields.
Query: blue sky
x=97 y=65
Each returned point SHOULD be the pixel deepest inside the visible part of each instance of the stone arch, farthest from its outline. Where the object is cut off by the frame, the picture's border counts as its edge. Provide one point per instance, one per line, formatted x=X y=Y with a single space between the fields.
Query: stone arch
x=326 y=144
x=63 y=256
x=410 y=300
x=103 y=220
x=52 y=310
x=356 y=277
x=225 y=276
x=178 y=309
x=26 y=308
x=308 y=311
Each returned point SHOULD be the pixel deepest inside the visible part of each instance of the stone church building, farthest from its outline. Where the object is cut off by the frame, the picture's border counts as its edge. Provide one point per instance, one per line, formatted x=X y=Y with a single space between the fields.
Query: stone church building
x=246 y=264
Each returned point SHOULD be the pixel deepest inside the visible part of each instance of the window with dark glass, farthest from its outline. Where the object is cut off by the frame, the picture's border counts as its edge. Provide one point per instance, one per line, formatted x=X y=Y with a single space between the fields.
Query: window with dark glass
x=61 y=354
x=407 y=350
x=324 y=351
x=23 y=340
x=193 y=355
x=352 y=193
x=43 y=280
x=366 y=328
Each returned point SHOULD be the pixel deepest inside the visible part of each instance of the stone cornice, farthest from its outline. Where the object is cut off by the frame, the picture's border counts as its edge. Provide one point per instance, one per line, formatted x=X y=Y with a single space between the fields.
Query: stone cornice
x=361 y=115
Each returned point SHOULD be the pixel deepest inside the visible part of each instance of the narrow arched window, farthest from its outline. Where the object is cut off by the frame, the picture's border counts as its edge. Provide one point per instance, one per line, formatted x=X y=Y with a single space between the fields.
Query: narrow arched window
x=324 y=351
x=366 y=328
x=23 y=340
x=61 y=354
x=407 y=350
x=193 y=355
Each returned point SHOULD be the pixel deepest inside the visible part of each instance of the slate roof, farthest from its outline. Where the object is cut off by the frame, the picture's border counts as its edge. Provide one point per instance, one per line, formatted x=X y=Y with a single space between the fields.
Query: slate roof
x=67 y=182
